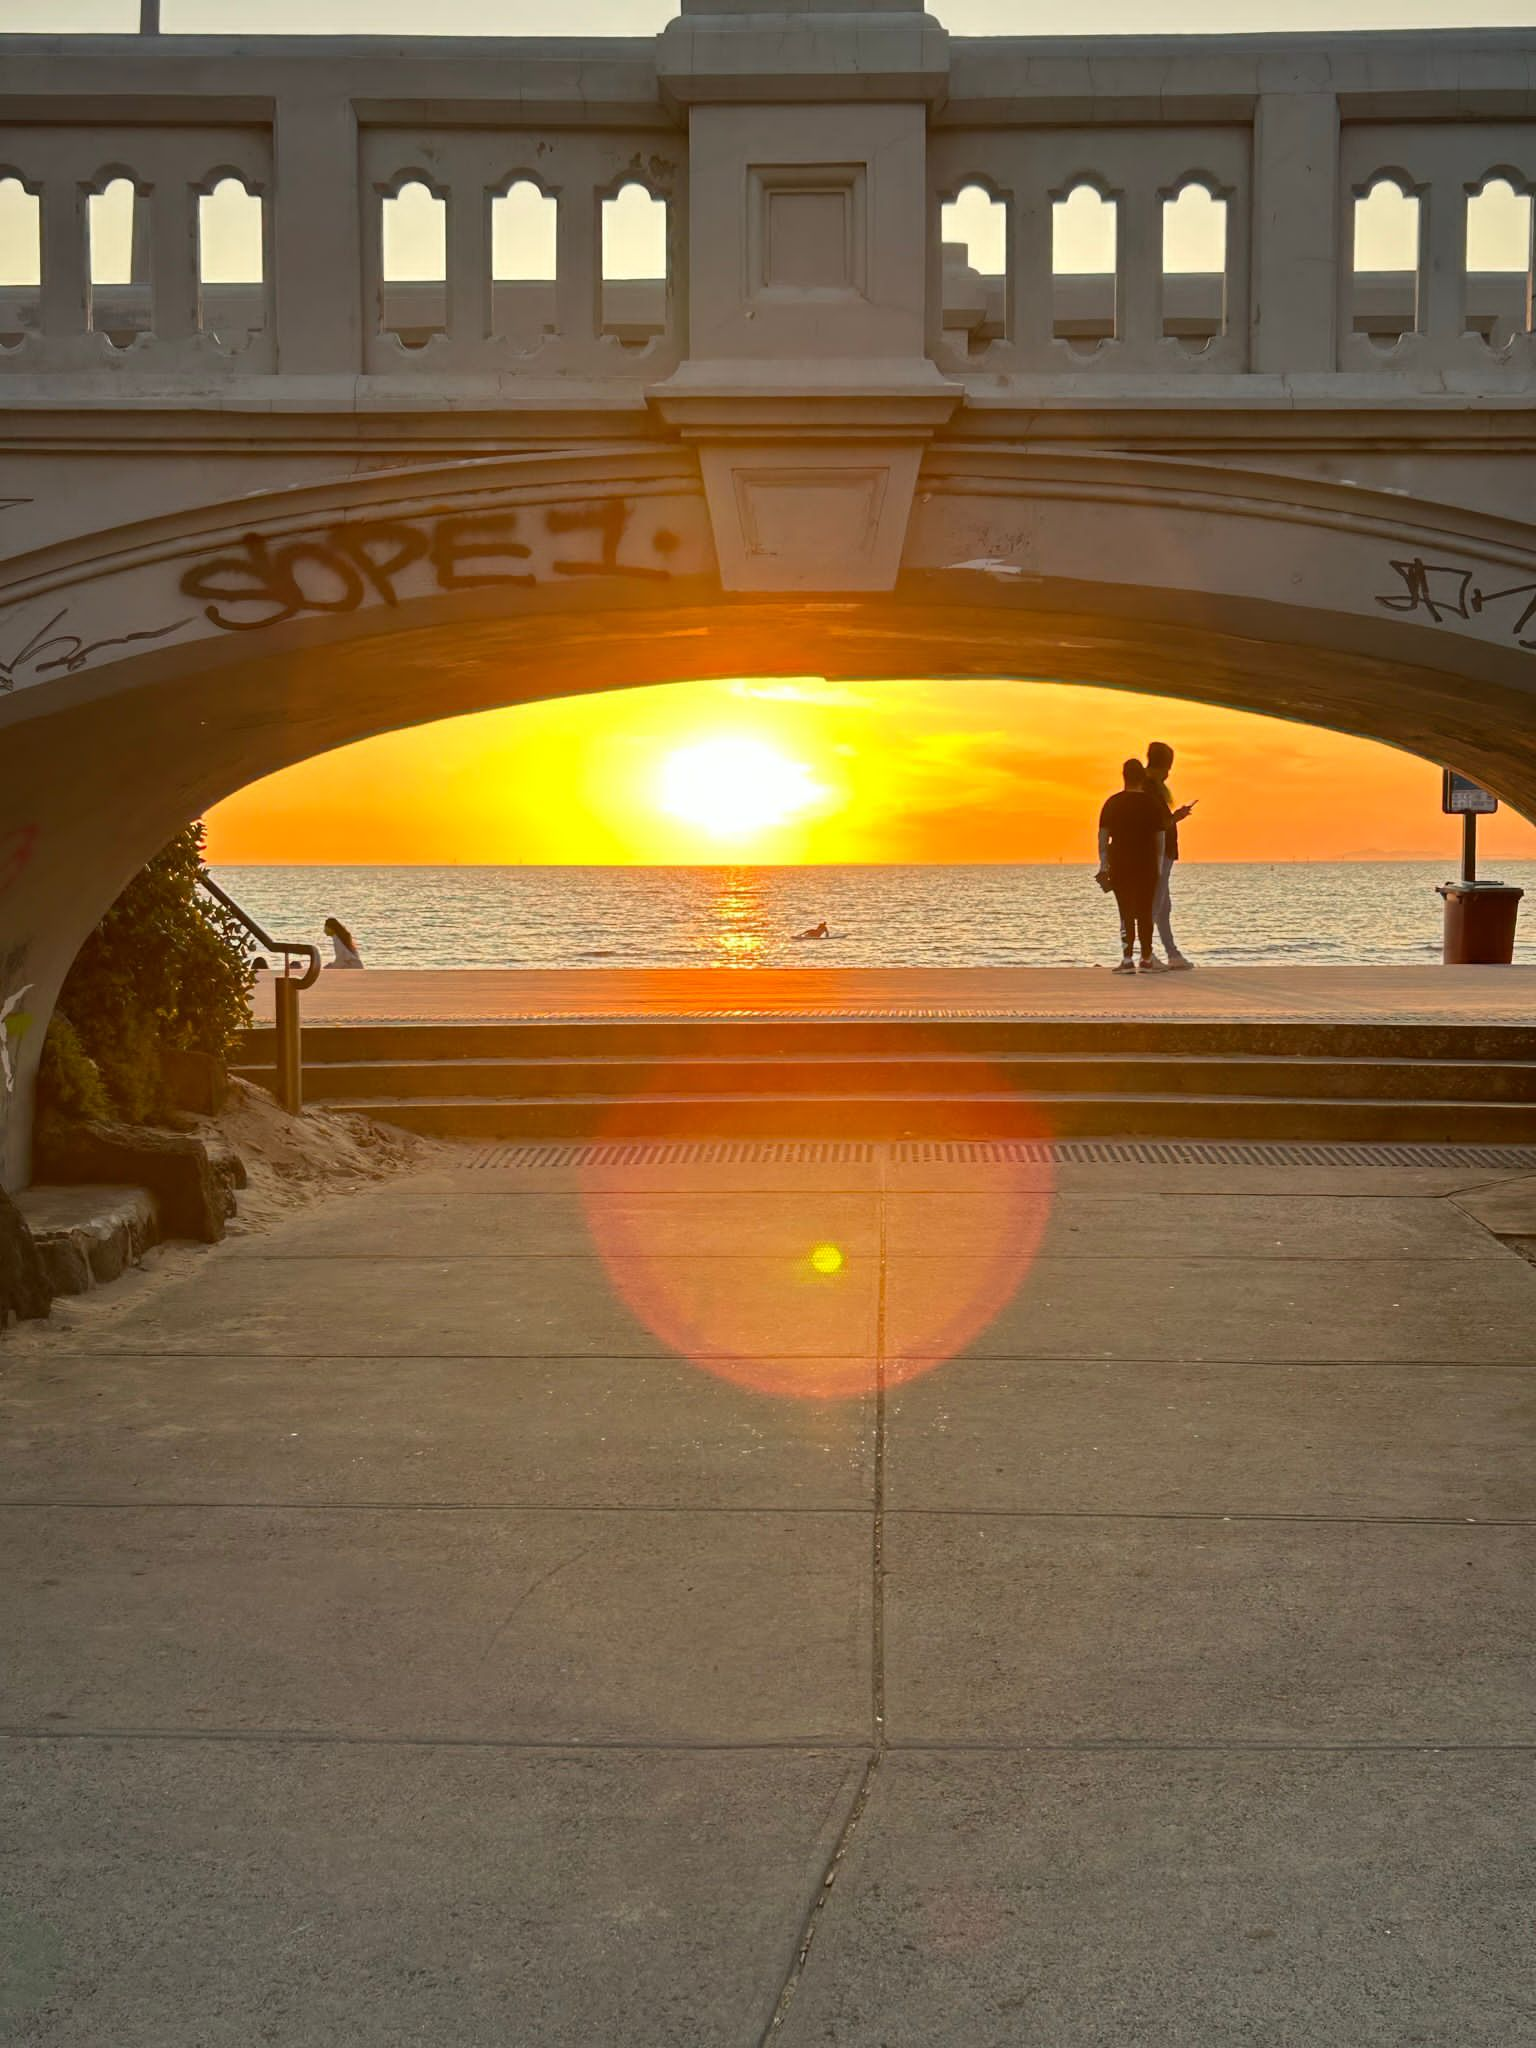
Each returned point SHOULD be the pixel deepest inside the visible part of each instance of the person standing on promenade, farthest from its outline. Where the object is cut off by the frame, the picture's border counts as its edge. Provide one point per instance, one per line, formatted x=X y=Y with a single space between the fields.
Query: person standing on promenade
x=1159 y=762
x=1133 y=827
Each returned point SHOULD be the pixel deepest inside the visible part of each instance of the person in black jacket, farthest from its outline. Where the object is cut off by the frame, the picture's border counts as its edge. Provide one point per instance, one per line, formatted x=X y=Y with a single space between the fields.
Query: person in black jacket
x=1133 y=829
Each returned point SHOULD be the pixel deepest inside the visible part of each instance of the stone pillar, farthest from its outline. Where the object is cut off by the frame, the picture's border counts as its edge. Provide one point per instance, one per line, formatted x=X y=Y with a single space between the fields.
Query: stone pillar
x=1297 y=220
x=807 y=386
x=317 y=261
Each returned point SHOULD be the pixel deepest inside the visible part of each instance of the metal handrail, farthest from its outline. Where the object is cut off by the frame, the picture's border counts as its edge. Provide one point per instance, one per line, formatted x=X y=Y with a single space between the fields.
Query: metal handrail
x=283 y=946
x=285 y=996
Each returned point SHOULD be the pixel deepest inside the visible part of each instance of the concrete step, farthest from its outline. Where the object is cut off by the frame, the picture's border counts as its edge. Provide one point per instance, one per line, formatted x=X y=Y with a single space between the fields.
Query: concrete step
x=1058 y=1114
x=917 y=1074
x=858 y=1037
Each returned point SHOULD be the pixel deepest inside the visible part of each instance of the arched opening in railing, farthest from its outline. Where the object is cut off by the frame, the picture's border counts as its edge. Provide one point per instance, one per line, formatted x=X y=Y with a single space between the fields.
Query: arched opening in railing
x=117 y=232
x=1386 y=282
x=1497 y=304
x=525 y=225
x=231 y=261
x=1195 y=263
x=413 y=260
x=634 y=264
x=973 y=231
x=21 y=259
x=1085 y=264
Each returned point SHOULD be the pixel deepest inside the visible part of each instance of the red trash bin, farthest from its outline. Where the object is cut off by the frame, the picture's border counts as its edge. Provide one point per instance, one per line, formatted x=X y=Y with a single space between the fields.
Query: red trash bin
x=1480 y=923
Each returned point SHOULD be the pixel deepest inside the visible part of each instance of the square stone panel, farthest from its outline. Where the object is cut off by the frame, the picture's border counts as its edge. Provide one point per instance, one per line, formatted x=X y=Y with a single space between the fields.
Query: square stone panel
x=518 y=1432
x=1050 y=1437
x=1109 y=1629
x=559 y=1626
x=1476 y=1311
x=1179 y=1901
x=210 y=1895
x=1077 y=1223
x=489 y=1221
x=513 y=1307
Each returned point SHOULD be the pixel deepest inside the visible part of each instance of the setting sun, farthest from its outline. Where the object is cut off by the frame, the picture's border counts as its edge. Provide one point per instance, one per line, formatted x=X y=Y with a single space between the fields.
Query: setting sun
x=732 y=787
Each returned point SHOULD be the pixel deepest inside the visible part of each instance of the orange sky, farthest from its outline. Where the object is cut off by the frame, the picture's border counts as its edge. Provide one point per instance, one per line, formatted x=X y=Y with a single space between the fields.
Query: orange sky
x=802 y=770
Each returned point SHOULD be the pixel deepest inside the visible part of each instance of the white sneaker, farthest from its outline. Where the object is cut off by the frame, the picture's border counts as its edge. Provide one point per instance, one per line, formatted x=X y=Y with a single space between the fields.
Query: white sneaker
x=1152 y=965
x=1179 y=965
x=1127 y=966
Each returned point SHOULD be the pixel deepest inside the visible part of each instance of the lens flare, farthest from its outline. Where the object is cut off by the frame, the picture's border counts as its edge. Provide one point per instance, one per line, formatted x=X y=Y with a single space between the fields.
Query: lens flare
x=813 y=1280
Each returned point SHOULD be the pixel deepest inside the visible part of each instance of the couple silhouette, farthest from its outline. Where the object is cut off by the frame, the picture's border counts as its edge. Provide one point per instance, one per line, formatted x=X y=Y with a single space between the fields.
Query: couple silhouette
x=1138 y=845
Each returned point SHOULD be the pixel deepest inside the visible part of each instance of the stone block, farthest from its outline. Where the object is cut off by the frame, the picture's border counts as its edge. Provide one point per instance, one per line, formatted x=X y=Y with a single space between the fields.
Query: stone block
x=24 y=1290
x=87 y=1236
x=192 y=1198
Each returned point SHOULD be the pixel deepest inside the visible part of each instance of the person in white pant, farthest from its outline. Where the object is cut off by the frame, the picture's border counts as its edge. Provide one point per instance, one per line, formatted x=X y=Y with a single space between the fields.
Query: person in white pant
x=1159 y=761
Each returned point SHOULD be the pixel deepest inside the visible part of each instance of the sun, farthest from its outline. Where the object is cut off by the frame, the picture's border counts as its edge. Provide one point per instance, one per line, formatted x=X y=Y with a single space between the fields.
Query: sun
x=732 y=787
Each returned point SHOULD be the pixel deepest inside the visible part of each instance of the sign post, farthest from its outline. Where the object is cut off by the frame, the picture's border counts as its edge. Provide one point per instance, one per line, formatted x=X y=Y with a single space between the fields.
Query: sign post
x=1479 y=916
x=1462 y=799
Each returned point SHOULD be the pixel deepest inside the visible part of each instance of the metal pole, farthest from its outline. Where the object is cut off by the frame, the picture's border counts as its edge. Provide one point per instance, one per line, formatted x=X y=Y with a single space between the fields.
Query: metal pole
x=149 y=17
x=290 y=1073
x=1469 y=846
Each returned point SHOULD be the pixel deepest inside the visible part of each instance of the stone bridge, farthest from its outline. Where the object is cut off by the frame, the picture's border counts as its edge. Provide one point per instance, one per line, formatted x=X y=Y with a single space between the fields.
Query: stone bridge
x=349 y=384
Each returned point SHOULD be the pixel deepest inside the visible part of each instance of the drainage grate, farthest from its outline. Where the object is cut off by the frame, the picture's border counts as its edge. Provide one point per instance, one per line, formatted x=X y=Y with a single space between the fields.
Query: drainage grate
x=679 y=1152
x=1193 y=1152
x=1000 y=1151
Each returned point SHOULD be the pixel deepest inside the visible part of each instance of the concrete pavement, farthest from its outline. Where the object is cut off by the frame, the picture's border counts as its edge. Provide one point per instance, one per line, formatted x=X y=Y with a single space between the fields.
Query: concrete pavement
x=565 y=1605
x=1389 y=995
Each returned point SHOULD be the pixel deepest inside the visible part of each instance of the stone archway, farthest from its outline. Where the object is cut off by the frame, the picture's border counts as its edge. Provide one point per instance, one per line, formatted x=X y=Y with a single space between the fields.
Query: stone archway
x=150 y=669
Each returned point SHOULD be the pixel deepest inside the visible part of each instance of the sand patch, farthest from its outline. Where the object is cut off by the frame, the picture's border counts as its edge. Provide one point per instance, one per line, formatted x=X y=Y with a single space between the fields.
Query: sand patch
x=291 y=1161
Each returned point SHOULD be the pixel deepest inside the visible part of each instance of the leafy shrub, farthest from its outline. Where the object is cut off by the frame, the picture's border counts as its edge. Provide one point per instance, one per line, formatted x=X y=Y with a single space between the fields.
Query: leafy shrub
x=167 y=969
x=69 y=1083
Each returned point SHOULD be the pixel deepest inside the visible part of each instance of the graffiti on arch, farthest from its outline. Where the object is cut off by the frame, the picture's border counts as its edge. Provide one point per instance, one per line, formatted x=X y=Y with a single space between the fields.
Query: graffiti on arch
x=261 y=580
x=15 y=1019
x=264 y=582
x=1443 y=591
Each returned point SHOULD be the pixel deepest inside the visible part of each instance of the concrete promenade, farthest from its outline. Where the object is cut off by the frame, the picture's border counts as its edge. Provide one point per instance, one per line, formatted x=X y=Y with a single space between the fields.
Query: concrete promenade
x=407 y=1642
x=1494 y=995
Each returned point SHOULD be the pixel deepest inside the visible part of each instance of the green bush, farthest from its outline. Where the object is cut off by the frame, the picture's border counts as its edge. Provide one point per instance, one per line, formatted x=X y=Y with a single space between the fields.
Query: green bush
x=167 y=969
x=69 y=1083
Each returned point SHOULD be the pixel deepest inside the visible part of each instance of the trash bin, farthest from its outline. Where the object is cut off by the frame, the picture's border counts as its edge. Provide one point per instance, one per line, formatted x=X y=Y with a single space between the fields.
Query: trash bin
x=1480 y=923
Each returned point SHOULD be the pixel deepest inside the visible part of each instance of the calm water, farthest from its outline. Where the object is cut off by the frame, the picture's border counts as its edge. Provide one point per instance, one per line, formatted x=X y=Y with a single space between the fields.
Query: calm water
x=1360 y=912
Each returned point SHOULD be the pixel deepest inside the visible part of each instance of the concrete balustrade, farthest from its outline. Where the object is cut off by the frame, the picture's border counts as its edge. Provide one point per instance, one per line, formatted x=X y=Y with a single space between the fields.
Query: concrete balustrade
x=1285 y=136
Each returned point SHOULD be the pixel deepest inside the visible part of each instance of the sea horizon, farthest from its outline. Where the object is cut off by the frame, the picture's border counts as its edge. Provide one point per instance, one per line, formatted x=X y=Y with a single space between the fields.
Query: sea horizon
x=741 y=915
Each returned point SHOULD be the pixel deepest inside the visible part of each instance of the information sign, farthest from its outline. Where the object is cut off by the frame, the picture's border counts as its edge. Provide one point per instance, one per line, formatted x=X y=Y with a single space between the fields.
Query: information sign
x=1462 y=799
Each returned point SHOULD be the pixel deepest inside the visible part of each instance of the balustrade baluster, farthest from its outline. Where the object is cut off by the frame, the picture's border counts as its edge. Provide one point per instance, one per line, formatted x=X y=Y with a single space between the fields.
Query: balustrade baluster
x=577 y=283
x=1443 y=264
x=469 y=259
x=174 y=296
x=1031 y=285
x=64 y=300
x=1139 y=262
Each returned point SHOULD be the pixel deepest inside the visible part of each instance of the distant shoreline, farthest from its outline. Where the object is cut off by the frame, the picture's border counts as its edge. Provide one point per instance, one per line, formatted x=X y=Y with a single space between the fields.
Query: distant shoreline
x=1450 y=855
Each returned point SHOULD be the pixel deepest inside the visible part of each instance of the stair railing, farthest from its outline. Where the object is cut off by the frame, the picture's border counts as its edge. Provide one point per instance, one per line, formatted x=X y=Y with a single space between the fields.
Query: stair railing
x=285 y=996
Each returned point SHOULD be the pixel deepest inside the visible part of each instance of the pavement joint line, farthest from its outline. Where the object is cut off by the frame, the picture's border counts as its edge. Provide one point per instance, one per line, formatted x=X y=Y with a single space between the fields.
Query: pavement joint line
x=1407 y=1258
x=665 y=1357
x=865 y=1789
x=1195 y=1745
x=884 y=1512
x=1045 y=1360
x=1404 y=1258
x=535 y=1745
x=775 y=1745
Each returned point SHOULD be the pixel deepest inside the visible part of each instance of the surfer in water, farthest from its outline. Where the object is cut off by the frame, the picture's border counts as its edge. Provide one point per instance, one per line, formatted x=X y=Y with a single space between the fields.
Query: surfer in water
x=815 y=931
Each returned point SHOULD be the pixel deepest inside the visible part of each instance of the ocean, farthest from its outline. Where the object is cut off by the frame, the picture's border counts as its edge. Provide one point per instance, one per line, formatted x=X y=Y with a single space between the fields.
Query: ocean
x=1355 y=913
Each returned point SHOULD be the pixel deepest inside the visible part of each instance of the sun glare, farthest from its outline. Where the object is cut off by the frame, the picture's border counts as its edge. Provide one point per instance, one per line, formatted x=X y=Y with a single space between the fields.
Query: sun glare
x=732 y=787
